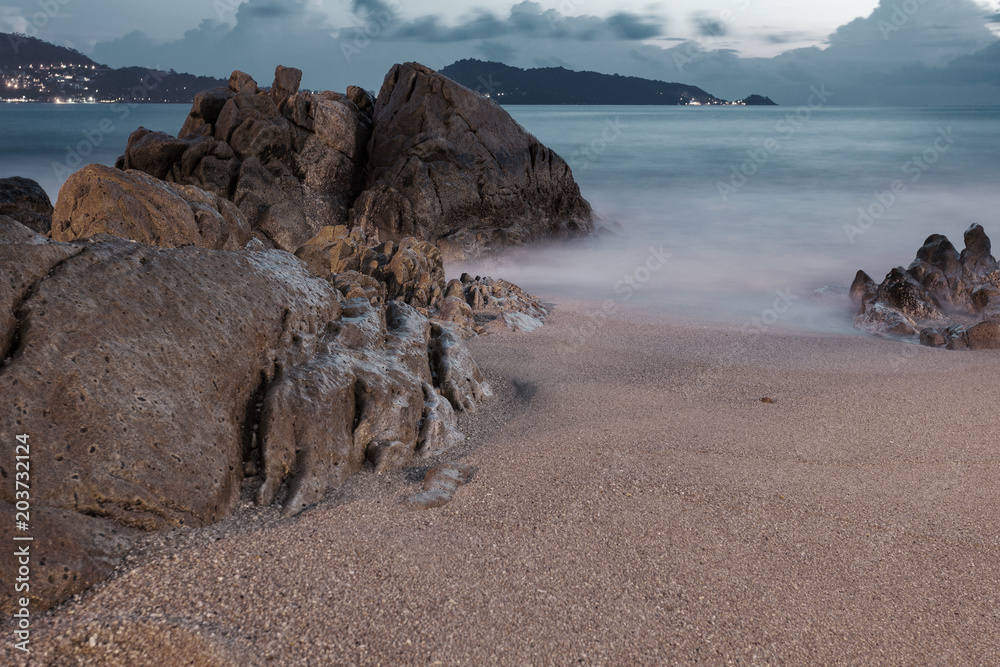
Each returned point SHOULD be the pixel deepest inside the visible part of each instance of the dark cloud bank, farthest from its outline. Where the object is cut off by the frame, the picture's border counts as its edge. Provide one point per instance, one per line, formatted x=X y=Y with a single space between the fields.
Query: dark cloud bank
x=907 y=52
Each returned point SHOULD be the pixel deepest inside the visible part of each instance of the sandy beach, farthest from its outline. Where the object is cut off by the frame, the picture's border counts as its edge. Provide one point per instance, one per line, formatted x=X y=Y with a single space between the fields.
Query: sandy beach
x=634 y=502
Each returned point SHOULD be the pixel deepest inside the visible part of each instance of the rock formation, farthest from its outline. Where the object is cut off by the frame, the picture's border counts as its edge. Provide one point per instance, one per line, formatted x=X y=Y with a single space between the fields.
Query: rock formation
x=25 y=200
x=133 y=205
x=945 y=298
x=450 y=166
x=428 y=159
x=152 y=380
x=291 y=161
x=165 y=352
x=413 y=271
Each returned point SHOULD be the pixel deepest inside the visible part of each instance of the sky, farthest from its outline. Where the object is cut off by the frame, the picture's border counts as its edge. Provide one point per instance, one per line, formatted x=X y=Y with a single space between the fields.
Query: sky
x=866 y=52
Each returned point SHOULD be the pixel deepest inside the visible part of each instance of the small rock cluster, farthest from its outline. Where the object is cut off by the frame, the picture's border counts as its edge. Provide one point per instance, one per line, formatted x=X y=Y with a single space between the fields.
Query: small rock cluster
x=945 y=298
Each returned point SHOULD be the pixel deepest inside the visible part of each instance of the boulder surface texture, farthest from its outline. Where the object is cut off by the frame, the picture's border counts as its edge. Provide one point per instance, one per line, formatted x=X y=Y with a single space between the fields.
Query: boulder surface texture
x=152 y=382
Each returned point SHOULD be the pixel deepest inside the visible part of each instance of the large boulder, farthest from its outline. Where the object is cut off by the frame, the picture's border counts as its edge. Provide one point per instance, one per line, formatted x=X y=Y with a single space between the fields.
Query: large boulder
x=27 y=202
x=450 y=166
x=151 y=381
x=944 y=298
x=291 y=160
x=134 y=205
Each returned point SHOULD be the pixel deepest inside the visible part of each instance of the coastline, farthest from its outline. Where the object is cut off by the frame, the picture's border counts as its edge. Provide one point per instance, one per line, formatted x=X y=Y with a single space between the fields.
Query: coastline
x=633 y=501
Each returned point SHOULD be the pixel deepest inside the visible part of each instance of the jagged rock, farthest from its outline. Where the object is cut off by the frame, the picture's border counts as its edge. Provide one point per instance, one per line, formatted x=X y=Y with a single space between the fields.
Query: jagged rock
x=415 y=272
x=448 y=165
x=292 y=161
x=364 y=101
x=445 y=165
x=438 y=433
x=939 y=297
x=133 y=205
x=357 y=285
x=142 y=369
x=440 y=484
x=455 y=372
x=495 y=299
x=205 y=110
x=26 y=201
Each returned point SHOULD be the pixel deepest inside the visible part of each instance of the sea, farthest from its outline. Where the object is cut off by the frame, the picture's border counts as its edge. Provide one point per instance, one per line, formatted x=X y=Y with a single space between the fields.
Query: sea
x=722 y=214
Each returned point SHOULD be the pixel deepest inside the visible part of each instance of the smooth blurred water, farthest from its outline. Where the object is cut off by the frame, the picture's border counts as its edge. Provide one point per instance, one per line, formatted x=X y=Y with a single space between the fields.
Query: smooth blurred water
x=655 y=171
x=792 y=226
x=44 y=142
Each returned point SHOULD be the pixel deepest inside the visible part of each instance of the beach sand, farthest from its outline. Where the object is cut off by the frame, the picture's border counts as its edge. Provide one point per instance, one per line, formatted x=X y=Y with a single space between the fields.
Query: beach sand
x=634 y=502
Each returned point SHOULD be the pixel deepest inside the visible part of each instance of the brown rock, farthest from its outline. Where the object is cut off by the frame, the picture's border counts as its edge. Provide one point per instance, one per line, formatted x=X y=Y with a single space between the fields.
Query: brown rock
x=440 y=484
x=935 y=297
x=27 y=202
x=205 y=110
x=146 y=367
x=362 y=99
x=133 y=205
x=286 y=84
x=984 y=336
x=445 y=162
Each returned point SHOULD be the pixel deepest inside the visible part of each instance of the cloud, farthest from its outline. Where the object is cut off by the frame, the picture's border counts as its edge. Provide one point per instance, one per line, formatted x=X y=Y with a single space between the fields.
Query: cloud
x=497 y=51
x=529 y=19
x=268 y=10
x=993 y=18
x=942 y=52
x=633 y=27
x=708 y=27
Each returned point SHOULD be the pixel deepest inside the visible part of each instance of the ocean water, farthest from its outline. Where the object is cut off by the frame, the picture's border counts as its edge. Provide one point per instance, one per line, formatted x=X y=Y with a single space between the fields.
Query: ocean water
x=760 y=206
x=727 y=213
x=47 y=142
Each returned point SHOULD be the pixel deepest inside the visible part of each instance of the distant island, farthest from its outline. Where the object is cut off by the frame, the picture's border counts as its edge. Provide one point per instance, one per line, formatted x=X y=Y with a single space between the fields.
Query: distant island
x=32 y=70
x=558 y=85
x=759 y=101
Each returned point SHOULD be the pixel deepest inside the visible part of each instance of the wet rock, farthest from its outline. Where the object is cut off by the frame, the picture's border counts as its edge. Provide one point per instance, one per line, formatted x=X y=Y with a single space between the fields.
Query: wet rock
x=133 y=205
x=447 y=164
x=440 y=484
x=939 y=298
x=26 y=201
